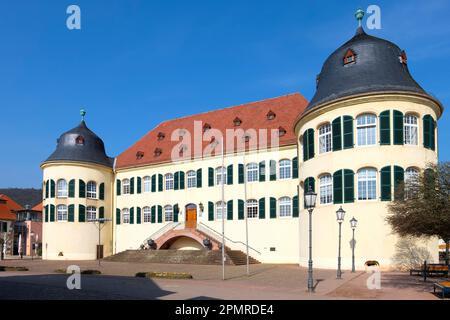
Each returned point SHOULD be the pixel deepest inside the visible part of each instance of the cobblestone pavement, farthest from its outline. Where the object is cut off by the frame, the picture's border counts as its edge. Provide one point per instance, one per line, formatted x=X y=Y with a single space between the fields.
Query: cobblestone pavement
x=266 y=281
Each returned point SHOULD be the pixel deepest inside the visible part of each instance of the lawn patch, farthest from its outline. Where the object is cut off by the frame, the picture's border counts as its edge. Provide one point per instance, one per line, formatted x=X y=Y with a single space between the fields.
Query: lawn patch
x=164 y=275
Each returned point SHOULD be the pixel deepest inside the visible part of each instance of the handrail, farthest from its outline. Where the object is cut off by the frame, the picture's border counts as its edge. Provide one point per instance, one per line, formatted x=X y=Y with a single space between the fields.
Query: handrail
x=155 y=235
x=200 y=224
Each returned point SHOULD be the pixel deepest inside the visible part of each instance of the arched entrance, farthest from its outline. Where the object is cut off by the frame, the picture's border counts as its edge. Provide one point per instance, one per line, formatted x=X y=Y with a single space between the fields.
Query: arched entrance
x=191 y=216
x=182 y=243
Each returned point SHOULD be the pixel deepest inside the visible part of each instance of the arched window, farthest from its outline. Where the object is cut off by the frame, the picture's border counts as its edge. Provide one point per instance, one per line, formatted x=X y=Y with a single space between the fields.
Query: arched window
x=325 y=138
x=367 y=184
x=191 y=179
x=411 y=179
x=285 y=207
x=285 y=168
x=147 y=214
x=91 y=190
x=61 y=212
x=126 y=186
x=147 y=184
x=252 y=172
x=221 y=175
x=221 y=209
x=169 y=181
x=410 y=128
x=366 y=127
x=125 y=215
x=252 y=208
x=91 y=213
x=168 y=213
x=61 y=188
x=326 y=189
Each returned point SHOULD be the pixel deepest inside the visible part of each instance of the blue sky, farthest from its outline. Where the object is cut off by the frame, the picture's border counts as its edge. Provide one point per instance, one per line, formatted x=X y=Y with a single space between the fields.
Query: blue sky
x=137 y=63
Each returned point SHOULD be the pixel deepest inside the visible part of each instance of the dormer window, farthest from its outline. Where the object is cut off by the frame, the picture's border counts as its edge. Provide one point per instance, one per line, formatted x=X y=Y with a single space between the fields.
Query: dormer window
x=79 y=140
x=206 y=127
x=281 y=131
x=317 y=80
x=403 y=58
x=350 y=57
x=271 y=115
x=161 y=136
x=157 y=152
x=247 y=138
x=237 y=122
x=139 y=155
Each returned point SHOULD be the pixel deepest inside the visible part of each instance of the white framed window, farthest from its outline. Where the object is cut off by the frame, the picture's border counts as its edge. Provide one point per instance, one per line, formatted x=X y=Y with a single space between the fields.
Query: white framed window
x=411 y=178
x=61 y=188
x=285 y=168
x=221 y=175
x=147 y=214
x=366 y=128
x=147 y=184
x=91 y=213
x=367 y=184
x=125 y=215
x=326 y=189
x=325 y=138
x=168 y=213
x=191 y=179
x=61 y=212
x=252 y=172
x=126 y=186
x=169 y=181
x=252 y=208
x=91 y=190
x=285 y=207
x=410 y=129
x=221 y=210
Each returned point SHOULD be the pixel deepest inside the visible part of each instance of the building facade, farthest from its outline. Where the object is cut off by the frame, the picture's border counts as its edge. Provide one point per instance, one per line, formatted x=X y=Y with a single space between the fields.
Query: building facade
x=368 y=128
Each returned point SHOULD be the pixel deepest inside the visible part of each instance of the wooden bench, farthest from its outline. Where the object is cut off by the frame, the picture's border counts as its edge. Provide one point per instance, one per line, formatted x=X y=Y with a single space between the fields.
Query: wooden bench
x=431 y=270
x=443 y=286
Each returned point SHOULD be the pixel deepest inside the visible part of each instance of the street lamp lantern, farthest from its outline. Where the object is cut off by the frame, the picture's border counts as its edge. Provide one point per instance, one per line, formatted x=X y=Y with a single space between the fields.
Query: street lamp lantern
x=310 y=199
x=310 y=203
x=353 y=223
x=340 y=214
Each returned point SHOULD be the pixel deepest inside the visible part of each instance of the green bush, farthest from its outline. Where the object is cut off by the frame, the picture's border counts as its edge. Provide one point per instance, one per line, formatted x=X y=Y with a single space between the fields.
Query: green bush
x=90 y=272
x=6 y=268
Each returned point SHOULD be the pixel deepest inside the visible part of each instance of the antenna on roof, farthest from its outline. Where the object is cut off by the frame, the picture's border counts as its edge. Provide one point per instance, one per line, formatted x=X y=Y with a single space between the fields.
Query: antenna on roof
x=359 y=14
x=82 y=113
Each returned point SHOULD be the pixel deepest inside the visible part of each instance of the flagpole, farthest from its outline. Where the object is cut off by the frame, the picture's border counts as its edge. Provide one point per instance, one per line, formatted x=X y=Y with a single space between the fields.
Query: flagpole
x=223 y=209
x=245 y=209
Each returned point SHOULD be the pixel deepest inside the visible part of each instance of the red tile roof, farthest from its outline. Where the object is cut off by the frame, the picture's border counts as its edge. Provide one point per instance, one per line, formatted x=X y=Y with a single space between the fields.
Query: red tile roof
x=253 y=116
x=8 y=207
x=37 y=207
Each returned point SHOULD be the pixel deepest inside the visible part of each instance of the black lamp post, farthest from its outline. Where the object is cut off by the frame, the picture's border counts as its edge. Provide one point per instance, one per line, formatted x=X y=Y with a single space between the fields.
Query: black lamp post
x=310 y=203
x=353 y=223
x=340 y=214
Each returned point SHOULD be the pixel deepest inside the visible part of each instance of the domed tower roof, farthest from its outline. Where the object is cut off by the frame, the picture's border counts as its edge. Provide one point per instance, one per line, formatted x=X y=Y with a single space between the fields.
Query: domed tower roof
x=364 y=64
x=80 y=144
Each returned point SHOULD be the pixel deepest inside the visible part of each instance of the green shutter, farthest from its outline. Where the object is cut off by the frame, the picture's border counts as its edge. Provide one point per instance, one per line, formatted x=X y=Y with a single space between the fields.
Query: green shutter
x=348 y=132
x=336 y=132
x=101 y=213
x=310 y=143
x=349 y=189
x=309 y=184
x=46 y=213
x=176 y=212
x=305 y=146
x=230 y=210
x=385 y=183
x=432 y=134
x=337 y=187
x=160 y=182
x=199 y=178
x=153 y=214
x=72 y=188
x=398 y=127
x=118 y=216
x=241 y=206
x=52 y=213
x=131 y=215
x=399 y=178
x=52 y=188
x=154 y=183
x=81 y=213
x=176 y=181
x=262 y=208
x=385 y=128
x=295 y=209
x=210 y=211
x=230 y=174
x=295 y=168
x=139 y=185
x=426 y=131
x=132 y=185
x=71 y=213
x=182 y=180
x=273 y=170
x=81 y=189
x=102 y=191
x=273 y=208
x=241 y=173
x=160 y=217
x=47 y=188
x=138 y=215
x=118 y=187
x=210 y=177
x=262 y=171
